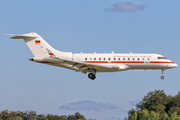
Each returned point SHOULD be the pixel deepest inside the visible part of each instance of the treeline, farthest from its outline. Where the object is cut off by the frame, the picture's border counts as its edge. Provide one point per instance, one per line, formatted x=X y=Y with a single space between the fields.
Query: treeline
x=156 y=105
x=31 y=115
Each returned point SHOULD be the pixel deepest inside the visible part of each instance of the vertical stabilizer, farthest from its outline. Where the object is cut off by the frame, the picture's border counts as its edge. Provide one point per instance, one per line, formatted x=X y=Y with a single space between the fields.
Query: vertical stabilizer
x=36 y=44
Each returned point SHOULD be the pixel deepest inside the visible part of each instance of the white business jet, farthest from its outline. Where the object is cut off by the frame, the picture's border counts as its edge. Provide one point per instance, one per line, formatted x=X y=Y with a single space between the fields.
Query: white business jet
x=92 y=63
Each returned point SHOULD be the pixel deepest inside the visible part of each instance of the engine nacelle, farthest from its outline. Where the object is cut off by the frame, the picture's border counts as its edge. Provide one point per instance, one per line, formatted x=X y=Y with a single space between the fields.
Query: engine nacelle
x=37 y=59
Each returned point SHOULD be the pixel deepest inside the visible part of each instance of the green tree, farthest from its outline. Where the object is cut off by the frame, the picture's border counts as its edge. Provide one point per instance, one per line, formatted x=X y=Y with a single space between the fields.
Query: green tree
x=56 y=117
x=154 y=101
x=153 y=116
x=143 y=115
x=31 y=115
x=131 y=112
x=4 y=114
x=174 y=109
x=165 y=117
x=79 y=116
x=71 y=117
x=173 y=116
x=76 y=116
x=174 y=105
x=157 y=105
x=41 y=117
x=134 y=116
x=49 y=116
x=14 y=118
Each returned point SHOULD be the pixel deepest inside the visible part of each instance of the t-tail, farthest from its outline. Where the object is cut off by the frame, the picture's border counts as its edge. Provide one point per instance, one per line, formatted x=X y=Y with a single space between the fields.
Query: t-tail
x=41 y=50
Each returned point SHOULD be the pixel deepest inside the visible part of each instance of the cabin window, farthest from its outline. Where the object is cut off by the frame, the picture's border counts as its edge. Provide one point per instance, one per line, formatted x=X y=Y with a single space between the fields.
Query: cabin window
x=99 y=58
x=114 y=59
x=90 y=58
x=104 y=59
x=142 y=58
x=128 y=58
x=85 y=58
x=119 y=59
x=109 y=59
x=94 y=58
x=138 y=59
x=123 y=58
x=148 y=58
x=133 y=59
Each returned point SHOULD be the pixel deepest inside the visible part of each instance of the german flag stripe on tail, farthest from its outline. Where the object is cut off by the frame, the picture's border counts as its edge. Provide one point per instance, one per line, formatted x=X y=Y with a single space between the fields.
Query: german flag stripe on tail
x=37 y=42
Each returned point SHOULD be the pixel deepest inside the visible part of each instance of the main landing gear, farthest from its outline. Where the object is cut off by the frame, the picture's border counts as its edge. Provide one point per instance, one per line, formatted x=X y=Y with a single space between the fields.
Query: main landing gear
x=92 y=74
x=162 y=76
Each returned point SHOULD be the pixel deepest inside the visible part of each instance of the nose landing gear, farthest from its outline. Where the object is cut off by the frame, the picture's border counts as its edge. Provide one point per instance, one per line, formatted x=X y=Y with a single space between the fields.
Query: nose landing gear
x=162 y=76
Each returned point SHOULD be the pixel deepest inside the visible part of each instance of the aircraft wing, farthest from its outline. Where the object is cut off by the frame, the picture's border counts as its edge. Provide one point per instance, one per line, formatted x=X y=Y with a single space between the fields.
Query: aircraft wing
x=83 y=66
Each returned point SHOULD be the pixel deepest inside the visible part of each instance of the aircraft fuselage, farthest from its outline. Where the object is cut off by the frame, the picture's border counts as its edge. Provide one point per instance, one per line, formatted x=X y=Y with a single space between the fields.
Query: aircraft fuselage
x=92 y=63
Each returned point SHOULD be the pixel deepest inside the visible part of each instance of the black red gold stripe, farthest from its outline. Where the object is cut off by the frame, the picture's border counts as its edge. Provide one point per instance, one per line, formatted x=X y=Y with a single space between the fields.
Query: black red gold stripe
x=37 y=41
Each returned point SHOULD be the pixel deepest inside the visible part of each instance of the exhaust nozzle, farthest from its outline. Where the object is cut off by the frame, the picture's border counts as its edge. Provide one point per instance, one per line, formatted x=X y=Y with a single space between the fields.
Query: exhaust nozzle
x=31 y=59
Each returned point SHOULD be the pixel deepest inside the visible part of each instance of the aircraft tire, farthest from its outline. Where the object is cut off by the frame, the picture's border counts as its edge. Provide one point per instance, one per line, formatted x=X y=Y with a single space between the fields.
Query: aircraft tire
x=91 y=76
x=162 y=77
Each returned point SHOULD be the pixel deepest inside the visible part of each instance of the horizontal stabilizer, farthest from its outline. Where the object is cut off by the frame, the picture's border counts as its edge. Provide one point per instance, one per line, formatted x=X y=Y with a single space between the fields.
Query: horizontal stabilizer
x=21 y=36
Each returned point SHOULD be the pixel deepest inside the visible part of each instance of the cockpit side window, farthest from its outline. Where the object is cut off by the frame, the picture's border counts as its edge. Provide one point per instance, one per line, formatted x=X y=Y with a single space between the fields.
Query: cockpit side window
x=161 y=58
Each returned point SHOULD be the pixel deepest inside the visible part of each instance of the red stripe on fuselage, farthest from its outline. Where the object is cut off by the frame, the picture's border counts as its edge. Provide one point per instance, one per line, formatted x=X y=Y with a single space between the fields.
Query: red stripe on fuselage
x=110 y=62
x=162 y=62
x=132 y=62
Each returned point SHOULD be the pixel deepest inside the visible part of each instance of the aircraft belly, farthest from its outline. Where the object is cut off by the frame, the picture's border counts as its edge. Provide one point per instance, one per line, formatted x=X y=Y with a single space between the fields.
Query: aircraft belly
x=148 y=66
x=62 y=65
x=100 y=69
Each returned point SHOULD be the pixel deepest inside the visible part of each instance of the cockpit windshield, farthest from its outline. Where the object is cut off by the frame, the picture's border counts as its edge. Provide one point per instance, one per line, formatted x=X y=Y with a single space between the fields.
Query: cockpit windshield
x=161 y=58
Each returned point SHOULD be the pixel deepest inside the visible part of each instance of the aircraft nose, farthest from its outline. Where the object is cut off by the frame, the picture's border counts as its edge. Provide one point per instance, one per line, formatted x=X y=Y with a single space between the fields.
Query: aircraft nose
x=173 y=65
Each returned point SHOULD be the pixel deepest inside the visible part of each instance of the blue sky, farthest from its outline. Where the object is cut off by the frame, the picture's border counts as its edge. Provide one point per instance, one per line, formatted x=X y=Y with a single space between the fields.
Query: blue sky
x=139 y=26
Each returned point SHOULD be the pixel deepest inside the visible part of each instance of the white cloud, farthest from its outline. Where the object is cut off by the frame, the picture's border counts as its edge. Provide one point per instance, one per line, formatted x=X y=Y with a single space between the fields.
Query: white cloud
x=125 y=7
x=88 y=105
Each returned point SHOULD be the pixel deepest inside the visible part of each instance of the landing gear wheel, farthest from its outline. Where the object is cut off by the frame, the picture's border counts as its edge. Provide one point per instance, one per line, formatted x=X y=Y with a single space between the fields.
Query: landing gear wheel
x=91 y=76
x=162 y=77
